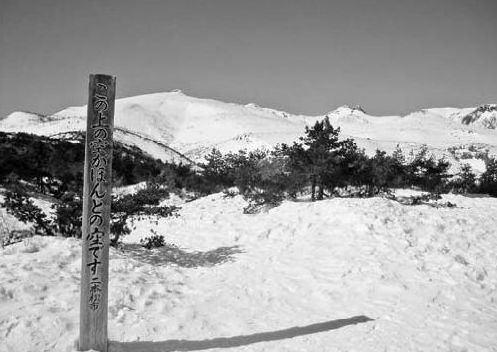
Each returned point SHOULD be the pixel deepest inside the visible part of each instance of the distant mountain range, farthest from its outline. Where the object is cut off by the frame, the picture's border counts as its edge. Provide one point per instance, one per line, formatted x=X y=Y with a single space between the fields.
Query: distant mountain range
x=175 y=127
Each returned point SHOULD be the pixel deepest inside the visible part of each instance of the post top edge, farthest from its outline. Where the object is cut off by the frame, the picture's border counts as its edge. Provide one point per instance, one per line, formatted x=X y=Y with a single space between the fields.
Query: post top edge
x=102 y=75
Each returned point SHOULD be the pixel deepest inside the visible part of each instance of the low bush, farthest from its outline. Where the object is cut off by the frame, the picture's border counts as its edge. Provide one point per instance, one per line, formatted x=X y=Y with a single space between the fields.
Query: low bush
x=154 y=241
x=67 y=218
x=18 y=204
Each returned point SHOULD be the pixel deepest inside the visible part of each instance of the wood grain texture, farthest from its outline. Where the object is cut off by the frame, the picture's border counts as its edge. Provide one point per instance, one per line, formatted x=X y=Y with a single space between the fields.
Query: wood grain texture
x=97 y=193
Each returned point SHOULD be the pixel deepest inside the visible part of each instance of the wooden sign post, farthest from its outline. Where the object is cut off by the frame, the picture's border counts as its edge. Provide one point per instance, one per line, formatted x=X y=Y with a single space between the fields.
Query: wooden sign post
x=96 y=214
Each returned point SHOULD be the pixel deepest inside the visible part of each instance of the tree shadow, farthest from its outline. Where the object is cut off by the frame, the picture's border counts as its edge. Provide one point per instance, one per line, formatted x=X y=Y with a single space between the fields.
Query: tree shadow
x=474 y=195
x=234 y=341
x=429 y=199
x=170 y=254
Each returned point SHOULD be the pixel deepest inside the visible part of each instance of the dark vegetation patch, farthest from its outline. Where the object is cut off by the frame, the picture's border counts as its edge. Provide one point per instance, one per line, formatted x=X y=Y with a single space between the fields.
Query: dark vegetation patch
x=324 y=165
x=320 y=164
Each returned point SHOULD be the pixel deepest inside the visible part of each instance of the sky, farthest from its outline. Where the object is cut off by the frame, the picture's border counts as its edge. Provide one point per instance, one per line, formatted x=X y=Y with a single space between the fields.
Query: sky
x=305 y=57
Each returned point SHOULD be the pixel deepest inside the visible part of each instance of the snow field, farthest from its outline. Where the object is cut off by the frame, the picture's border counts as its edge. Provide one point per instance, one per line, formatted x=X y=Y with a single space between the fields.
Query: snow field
x=238 y=282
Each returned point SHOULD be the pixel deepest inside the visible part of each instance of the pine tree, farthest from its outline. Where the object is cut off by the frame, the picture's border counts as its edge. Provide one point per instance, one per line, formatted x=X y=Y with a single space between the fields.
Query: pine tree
x=399 y=168
x=488 y=180
x=466 y=181
x=319 y=158
x=322 y=142
x=217 y=170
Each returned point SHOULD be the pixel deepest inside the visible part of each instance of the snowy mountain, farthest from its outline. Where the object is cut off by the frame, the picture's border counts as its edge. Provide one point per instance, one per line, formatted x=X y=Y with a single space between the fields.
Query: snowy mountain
x=174 y=126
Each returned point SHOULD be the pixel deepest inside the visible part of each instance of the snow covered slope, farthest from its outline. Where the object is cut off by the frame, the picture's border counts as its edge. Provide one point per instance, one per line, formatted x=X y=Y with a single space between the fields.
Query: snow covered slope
x=336 y=275
x=172 y=124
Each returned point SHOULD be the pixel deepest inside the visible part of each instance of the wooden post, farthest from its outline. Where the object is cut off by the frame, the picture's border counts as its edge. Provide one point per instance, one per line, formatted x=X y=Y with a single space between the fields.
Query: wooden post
x=97 y=193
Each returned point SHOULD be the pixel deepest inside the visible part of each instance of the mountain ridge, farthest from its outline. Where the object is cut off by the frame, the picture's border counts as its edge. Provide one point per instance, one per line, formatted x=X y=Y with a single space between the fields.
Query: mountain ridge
x=173 y=126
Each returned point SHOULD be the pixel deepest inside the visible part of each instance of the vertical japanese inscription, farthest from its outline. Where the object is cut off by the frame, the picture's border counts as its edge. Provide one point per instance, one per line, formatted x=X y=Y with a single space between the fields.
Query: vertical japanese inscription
x=100 y=150
x=96 y=213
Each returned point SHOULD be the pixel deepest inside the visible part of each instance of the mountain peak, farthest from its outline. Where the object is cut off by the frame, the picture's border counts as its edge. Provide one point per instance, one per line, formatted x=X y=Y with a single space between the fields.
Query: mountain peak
x=274 y=112
x=487 y=108
x=177 y=91
x=358 y=108
x=485 y=115
x=348 y=109
x=26 y=117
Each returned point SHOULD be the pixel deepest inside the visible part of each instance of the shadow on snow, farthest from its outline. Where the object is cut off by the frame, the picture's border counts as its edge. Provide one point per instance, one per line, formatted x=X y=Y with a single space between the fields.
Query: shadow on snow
x=169 y=254
x=234 y=341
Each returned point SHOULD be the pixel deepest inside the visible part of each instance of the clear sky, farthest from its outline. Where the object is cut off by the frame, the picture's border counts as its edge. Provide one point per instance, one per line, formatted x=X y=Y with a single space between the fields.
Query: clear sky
x=302 y=56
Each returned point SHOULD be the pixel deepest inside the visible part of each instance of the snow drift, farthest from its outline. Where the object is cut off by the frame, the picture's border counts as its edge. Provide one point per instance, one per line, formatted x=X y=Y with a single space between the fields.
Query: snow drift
x=336 y=275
